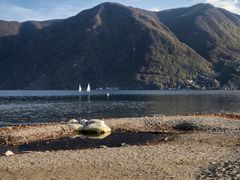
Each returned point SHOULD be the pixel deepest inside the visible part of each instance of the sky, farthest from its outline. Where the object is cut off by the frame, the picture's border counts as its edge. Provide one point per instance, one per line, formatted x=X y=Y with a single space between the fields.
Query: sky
x=24 y=10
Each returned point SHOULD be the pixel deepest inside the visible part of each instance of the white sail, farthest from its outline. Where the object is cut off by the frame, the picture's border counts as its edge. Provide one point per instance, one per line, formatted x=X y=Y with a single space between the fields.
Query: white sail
x=88 y=88
x=80 y=88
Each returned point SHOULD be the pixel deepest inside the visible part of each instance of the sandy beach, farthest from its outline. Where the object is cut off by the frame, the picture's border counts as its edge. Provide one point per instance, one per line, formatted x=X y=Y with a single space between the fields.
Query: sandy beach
x=204 y=146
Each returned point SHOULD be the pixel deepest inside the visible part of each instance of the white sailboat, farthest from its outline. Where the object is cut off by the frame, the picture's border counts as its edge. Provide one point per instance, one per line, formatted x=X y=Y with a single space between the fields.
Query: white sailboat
x=88 y=88
x=79 y=88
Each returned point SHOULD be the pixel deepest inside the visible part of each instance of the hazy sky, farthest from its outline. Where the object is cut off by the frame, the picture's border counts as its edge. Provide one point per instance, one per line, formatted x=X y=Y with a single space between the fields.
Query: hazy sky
x=23 y=10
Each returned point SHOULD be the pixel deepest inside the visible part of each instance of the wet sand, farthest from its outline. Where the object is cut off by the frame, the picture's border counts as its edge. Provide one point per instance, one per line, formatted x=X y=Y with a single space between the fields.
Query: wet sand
x=201 y=144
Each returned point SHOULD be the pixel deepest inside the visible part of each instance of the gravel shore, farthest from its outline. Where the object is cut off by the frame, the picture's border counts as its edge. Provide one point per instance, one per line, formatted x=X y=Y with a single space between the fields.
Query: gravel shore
x=206 y=147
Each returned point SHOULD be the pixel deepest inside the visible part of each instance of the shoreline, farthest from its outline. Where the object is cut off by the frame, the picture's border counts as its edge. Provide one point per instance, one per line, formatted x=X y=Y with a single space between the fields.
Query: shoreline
x=19 y=134
x=202 y=140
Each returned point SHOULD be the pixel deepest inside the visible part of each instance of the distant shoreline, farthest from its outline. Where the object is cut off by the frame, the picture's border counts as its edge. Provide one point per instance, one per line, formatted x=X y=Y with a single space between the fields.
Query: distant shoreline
x=40 y=131
x=40 y=93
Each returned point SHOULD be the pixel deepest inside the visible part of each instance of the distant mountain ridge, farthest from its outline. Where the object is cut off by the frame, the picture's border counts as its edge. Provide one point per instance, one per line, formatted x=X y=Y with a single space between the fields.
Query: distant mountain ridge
x=12 y=28
x=213 y=33
x=112 y=45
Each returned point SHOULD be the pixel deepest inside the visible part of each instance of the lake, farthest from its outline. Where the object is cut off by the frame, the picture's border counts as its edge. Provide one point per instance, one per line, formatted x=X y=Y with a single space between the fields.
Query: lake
x=18 y=107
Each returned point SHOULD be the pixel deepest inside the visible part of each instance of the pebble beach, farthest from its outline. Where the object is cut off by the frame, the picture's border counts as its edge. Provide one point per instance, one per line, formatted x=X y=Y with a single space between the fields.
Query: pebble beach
x=203 y=147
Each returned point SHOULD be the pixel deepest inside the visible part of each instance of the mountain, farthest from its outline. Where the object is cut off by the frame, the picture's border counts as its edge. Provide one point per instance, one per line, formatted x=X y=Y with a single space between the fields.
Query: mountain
x=112 y=45
x=213 y=33
x=14 y=34
x=12 y=28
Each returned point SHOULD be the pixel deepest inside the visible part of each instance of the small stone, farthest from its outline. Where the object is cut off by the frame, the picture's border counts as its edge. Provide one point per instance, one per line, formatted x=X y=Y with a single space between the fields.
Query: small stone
x=84 y=122
x=9 y=153
x=102 y=146
x=123 y=145
x=72 y=121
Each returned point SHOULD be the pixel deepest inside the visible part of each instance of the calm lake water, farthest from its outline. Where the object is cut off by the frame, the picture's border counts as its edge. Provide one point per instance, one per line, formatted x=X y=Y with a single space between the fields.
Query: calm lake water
x=54 y=106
